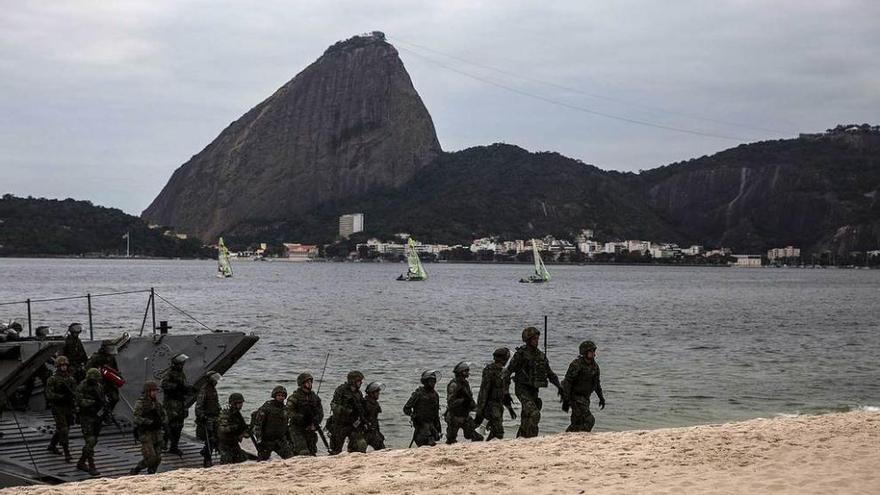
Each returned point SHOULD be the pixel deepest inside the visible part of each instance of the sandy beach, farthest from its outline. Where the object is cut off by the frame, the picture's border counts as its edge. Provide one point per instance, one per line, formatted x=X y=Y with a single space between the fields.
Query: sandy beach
x=833 y=453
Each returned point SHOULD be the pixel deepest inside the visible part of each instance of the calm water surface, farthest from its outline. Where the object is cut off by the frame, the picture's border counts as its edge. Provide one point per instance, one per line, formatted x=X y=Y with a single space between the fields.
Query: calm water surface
x=677 y=346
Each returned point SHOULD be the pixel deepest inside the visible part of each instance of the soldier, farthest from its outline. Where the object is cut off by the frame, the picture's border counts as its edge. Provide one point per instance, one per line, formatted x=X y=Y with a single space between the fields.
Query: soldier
x=175 y=392
x=75 y=352
x=231 y=430
x=43 y=374
x=207 y=413
x=372 y=435
x=581 y=380
x=270 y=427
x=106 y=357
x=61 y=398
x=306 y=414
x=531 y=372
x=459 y=404
x=149 y=422
x=494 y=395
x=347 y=408
x=423 y=407
x=91 y=401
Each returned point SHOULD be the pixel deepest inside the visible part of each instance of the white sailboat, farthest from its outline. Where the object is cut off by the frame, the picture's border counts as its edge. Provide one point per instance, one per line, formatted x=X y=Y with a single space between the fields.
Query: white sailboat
x=541 y=274
x=415 y=272
x=224 y=269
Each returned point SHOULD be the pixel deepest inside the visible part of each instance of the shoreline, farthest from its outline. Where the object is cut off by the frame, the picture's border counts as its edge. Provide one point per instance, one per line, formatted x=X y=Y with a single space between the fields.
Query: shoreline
x=834 y=452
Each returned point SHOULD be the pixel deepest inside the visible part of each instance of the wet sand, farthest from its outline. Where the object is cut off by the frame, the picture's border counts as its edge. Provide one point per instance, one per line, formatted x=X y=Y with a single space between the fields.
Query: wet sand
x=833 y=453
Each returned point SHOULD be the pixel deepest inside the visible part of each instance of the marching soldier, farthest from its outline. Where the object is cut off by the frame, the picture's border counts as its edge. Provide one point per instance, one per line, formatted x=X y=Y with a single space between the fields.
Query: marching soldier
x=61 y=398
x=494 y=395
x=106 y=357
x=231 y=430
x=175 y=392
x=207 y=414
x=91 y=401
x=306 y=414
x=372 y=434
x=581 y=380
x=531 y=372
x=459 y=404
x=423 y=407
x=347 y=415
x=75 y=352
x=270 y=427
x=149 y=422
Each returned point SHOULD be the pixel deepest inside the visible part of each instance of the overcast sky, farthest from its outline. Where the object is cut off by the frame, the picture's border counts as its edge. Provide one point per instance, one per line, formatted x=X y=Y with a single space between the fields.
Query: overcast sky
x=104 y=100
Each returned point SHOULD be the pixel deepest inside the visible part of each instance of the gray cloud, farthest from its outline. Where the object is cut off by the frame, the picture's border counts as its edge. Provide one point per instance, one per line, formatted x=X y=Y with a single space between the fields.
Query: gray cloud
x=103 y=100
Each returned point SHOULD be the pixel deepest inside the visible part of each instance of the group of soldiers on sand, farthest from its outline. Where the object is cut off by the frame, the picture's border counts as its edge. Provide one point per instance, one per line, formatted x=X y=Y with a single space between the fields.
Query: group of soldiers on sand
x=292 y=425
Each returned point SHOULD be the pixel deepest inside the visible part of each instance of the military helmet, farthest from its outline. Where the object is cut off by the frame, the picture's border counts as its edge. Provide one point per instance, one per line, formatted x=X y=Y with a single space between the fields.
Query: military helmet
x=235 y=397
x=585 y=346
x=461 y=367
x=430 y=374
x=530 y=332
x=93 y=374
x=279 y=390
x=375 y=387
x=14 y=325
x=501 y=353
x=43 y=332
x=75 y=328
x=62 y=360
x=150 y=385
x=109 y=348
x=214 y=377
x=354 y=376
x=303 y=378
x=179 y=358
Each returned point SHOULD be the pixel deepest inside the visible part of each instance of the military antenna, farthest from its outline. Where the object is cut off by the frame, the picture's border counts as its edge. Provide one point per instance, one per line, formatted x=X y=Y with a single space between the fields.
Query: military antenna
x=321 y=380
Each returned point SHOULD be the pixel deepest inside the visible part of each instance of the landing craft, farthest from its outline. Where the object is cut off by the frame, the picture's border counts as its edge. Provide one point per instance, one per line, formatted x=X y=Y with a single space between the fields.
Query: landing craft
x=27 y=426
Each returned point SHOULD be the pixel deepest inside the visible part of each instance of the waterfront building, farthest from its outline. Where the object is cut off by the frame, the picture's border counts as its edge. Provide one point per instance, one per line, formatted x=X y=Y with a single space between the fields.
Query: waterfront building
x=300 y=252
x=747 y=260
x=351 y=223
x=782 y=253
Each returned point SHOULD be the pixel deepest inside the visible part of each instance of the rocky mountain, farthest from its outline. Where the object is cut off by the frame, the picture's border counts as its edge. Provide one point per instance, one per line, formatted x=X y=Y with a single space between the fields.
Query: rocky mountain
x=818 y=192
x=348 y=124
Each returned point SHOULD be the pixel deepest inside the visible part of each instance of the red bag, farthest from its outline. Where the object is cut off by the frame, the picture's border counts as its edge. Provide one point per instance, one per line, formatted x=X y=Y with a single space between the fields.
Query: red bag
x=112 y=376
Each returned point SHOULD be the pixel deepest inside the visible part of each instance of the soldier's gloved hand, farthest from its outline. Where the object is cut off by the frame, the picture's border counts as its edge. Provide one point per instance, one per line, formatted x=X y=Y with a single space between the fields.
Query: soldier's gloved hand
x=565 y=406
x=601 y=402
x=478 y=420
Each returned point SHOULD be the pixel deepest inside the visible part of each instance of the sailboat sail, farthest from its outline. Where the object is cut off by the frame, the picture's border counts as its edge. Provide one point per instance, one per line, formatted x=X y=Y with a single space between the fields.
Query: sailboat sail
x=224 y=269
x=416 y=271
x=540 y=270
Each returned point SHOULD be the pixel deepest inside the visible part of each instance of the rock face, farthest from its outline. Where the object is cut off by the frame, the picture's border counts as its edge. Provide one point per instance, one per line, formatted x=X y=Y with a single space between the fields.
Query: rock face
x=349 y=123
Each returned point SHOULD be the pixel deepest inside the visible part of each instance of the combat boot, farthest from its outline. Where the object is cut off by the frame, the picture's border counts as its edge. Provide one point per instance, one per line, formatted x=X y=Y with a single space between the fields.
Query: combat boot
x=92 y=470
x=67 y=457
x=53 y=445
x=81 y=463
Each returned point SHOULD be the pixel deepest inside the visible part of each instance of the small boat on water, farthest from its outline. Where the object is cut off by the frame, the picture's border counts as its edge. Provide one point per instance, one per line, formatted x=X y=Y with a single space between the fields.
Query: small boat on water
x=27 y=425
x=224 y=268
x=541 y=274
x=415 y=271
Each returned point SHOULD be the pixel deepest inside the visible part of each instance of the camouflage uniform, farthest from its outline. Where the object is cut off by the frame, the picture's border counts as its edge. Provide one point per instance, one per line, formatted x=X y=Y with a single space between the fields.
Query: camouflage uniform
x=231 y=429
x=372 y=435
x=581 y=380
x=90 y=399
x=207 y=413
x=61 y=398
x=346 y=420
x=149 y=422
x=531 y=372
x=494 y=394
x=306 y=413
x=98 y=360
x=76 y=354
x=175 y=392
x=270 y=429
x=423 y=407
x=459 y=404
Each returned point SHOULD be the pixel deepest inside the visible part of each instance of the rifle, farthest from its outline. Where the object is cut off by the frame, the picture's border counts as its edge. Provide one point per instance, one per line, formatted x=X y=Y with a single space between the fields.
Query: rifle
x=323 y=438
x=508 y=403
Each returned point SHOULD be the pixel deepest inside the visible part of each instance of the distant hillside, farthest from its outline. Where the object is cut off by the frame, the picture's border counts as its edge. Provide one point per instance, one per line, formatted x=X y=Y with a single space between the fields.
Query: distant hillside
x=488 y=190
x=39 y=226
x=817 y=192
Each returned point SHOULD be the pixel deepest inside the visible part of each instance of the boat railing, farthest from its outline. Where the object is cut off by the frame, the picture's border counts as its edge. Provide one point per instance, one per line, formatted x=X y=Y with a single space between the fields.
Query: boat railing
x=149 y=311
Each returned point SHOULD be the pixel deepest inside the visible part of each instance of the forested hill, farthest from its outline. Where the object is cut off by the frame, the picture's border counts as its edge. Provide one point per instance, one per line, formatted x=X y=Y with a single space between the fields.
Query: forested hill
x=39 y=226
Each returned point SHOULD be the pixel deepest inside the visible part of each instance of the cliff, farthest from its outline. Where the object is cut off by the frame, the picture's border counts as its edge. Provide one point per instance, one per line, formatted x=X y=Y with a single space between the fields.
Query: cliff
x=348 y=124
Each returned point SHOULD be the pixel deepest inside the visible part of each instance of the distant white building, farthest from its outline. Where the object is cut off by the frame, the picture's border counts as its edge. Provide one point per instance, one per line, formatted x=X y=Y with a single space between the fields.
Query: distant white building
x=351 y=223
x=747 y=260
x=782 y=253
x=590 y=248
x=694 y=250
x=484 y=244
x=614 y=247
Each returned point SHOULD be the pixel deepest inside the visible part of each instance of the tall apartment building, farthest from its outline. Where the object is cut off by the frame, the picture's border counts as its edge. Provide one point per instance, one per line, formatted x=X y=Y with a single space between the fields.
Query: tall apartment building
x=351 y=223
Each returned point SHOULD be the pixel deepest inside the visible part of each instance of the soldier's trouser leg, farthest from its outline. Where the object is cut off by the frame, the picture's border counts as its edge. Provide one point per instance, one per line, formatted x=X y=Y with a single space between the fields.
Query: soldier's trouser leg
x=357 y=442
x=531 y=411
x=90 y=439
x=303 y=442
x=375 y=439
x=581 y=417
x=112 y=394
x=469 y=428
x=232 y=454
x=452 y=426
x=279 y=445
x=174 y=428
x=495 y=422
x=423 y=434
x=338 y=434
